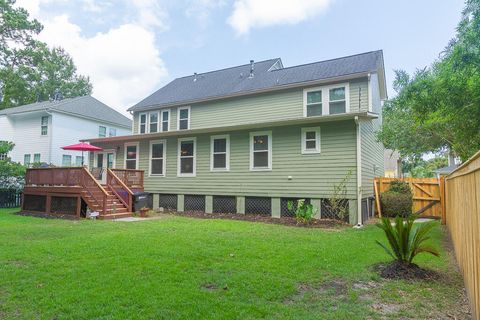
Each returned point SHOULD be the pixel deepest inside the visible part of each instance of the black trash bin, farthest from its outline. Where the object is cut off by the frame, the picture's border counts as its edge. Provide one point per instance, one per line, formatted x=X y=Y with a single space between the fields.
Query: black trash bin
x=141 y=200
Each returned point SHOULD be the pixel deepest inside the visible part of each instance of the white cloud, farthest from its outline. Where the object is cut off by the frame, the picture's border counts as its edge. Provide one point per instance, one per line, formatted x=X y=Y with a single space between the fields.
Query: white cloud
x=123 y=63
x=150 y=14
x=248 y=14
x=201 y=9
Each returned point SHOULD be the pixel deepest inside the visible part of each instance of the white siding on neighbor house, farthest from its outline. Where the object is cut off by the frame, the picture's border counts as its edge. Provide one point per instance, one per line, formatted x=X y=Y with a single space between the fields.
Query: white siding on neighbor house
x=68 y=130
x=6 y=129
x=27 y=136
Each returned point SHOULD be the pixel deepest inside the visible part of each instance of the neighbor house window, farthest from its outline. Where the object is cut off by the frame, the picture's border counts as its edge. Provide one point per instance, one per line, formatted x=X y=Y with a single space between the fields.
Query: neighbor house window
x=165 y=120
x=326 y=100
x=112 y=132
x=131 y=156
x=36 y=157
x=78 y=161
x=44 y=127
x=142 y=123
x=337 y=101
x=220 y=153
x=186 y=157
x=153 y=120
x=26 y=159
x=66 y=160
x=3 y=156
x=157 y=158
x=311 y=140
x=261 y=150
x=314 y=103
x=184 y=118
x=102 y=132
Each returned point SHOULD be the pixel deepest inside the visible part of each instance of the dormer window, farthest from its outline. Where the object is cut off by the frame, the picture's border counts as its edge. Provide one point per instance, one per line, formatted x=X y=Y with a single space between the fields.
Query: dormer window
x=338 y=103
x=153 y=117
x=165 y=120
x=184 y=118
x=314 y=103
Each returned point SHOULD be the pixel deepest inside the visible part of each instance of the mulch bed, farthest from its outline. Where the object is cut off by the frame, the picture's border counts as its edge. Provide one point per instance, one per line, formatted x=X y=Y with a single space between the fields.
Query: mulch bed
x=47 y=216
x=286 y=221
x=402 y=271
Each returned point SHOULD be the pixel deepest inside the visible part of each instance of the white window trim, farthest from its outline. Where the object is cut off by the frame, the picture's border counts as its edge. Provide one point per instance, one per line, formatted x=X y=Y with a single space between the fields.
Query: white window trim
x=164 y=142
x=105 y=152
x=270 y=148
x=125 y=154
x=106 y=131
x=140 y=122
x=40 y=156
x=317 y=140
x=194 y=174
x=178 y=117
x=169 y=118
x=227 y=153
x=326 y=98
x=158 y=122
x=44 y=125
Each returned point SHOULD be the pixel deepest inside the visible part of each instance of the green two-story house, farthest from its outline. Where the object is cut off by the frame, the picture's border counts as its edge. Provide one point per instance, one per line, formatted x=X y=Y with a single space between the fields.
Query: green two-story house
x=246 y=139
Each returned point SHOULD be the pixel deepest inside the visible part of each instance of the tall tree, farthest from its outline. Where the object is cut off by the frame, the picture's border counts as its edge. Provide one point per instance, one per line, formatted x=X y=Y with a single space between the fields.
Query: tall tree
x=29 y=70
x=438 y=107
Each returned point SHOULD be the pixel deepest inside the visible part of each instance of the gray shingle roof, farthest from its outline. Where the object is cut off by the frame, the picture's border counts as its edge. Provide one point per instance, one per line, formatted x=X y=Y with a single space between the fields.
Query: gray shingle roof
x=235 y=80
x=86 y=106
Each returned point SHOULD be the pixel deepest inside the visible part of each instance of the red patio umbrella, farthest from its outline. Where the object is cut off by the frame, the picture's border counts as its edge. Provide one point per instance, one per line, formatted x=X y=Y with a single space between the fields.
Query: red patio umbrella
x=82 y=146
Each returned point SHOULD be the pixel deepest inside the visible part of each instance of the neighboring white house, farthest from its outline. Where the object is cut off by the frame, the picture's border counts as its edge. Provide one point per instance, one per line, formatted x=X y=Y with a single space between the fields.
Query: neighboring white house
x=39 y=130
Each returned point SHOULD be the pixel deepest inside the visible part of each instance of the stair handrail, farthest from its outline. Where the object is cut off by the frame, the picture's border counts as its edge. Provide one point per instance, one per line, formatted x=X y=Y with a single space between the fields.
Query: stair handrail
x=92 y=178
x=110 y=174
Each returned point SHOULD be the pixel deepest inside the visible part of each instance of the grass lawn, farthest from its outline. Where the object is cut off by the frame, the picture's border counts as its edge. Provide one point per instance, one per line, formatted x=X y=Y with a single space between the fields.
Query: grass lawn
x=183 y=268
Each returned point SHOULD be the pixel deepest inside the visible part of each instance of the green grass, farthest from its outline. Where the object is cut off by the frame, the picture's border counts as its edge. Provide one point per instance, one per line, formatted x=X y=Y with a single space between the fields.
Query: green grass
x=182 y=268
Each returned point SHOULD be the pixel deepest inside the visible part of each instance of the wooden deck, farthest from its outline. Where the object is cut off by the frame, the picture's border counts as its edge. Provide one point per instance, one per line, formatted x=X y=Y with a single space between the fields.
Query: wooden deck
x=69 y=191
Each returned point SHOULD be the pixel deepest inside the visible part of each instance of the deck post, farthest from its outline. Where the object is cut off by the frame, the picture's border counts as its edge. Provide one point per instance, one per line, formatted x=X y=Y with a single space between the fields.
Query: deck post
x=48 y=205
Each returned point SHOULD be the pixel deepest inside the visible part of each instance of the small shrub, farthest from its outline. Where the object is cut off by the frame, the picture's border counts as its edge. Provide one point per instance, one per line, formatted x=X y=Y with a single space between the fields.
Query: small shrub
x=398 y=200
x=304 y=212
x=406 y=240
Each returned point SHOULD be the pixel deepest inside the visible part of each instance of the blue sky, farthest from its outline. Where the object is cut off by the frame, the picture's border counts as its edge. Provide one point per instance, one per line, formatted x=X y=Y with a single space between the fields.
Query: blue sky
x=130 y=48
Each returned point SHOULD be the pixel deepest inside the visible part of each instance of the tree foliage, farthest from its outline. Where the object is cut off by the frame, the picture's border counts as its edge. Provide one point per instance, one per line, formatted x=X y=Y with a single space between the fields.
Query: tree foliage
x=29 y=70
x=438 y=108
x=11 y=173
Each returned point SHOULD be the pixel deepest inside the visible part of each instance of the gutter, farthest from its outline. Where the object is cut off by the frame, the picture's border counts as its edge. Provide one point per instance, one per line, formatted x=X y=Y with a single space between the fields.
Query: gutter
x=246 y=126
x=359 y=172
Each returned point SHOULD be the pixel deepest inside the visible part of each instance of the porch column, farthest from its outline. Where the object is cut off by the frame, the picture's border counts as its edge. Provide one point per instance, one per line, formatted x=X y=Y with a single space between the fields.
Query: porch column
x=276 y=207
x=208 y=204
x=180 y=203
x=241 y=205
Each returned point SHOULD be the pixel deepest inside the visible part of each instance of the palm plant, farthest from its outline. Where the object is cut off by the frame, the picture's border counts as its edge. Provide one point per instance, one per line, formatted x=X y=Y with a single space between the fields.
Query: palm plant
x=405 y=240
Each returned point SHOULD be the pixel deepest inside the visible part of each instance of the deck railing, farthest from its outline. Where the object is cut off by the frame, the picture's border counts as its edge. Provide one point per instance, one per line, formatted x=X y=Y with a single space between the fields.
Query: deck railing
x=133 y=179
x=121 y=190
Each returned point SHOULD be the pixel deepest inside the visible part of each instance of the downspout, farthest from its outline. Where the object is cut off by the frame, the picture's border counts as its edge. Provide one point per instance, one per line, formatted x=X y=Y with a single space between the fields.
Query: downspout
x=359 y=172
x=50 y=132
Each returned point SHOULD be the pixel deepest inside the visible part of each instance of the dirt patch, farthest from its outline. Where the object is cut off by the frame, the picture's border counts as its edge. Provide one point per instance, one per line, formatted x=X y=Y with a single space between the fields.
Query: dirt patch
x=403 y=271
x=334 y=288
x=213 y=287
x=47 y=216
x=386 y=308
x=287 y=221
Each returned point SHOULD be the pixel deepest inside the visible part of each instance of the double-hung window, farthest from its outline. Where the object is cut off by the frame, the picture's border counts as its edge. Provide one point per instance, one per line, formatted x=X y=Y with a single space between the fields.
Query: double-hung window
x=184 y=118
x=314 y=103
x=142 y=123
x=44 y=126
x=153 y=120
x=186 y=157
x=157 y=158
x=112 y=132
x=311 y=140
x=131 y=156
x=102 y=132
x=66 y=160
x=78 y=161
x=326 y=100
x=36 y=157
x=26 y=159
x=337 y=101
x=165 y=120
x=220 y=153
x=261 y=150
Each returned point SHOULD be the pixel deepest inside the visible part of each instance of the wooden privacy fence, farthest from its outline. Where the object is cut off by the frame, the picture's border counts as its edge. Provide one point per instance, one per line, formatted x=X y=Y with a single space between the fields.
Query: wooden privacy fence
x=462 y=192
x=427 y=200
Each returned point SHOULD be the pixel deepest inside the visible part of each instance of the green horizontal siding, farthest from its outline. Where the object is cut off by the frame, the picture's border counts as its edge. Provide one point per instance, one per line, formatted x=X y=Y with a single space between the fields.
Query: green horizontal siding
x=313 y=175
x=273 y=106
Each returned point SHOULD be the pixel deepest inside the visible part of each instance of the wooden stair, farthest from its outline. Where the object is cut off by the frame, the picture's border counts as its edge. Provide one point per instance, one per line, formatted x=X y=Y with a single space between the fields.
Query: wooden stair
x=115 y=209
